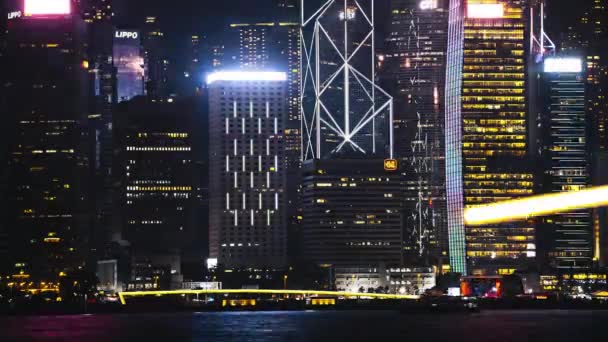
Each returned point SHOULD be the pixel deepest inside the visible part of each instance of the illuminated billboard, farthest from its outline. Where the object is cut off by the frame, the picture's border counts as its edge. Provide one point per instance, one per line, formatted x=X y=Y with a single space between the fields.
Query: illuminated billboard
x=563 y=65
x=46 y=7
x=485 y=11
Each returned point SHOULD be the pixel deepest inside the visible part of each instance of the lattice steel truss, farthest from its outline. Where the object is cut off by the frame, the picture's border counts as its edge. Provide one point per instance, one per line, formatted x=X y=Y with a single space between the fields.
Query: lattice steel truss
x=344 y=111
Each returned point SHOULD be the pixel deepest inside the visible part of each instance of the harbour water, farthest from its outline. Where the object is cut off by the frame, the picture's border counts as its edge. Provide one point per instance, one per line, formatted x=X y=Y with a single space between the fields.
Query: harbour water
x=376 y=326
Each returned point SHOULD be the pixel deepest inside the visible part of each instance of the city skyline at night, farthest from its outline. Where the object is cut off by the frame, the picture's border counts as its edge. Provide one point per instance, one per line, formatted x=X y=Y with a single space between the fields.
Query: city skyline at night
x=406 y=149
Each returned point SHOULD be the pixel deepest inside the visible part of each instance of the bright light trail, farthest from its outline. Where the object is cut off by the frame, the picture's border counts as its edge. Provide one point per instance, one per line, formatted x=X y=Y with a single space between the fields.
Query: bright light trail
x=123 y=295
x=521 y=209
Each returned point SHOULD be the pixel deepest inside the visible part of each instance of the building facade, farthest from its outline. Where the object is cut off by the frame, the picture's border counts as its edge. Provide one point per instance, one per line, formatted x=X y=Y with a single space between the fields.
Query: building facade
x=414 y=71
x=248 y=218
x=486 y=133
x=45 y=102
x=352 y=212
x=566 y=238
x=159 y=172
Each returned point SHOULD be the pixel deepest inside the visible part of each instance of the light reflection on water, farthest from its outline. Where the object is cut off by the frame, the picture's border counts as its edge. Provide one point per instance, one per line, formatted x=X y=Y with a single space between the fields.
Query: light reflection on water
x=488 y=326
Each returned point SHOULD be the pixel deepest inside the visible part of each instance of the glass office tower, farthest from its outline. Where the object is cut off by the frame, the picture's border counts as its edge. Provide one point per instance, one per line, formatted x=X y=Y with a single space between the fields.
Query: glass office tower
x=486 y=133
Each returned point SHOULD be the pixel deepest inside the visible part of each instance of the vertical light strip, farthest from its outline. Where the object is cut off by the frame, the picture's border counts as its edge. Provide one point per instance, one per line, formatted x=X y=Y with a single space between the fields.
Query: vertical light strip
x=243 y=126
x=235 y=147
x=251 y=179
x=259 y=125
x=236 y=217
x=227 y=163
x=276 y=126
x=259 y=163
x=234 y=109
x=260 y=201
x=267 y=109
x=244 y=201
x=276 y=163
x=268 y=217
x=276 y=201
x=251 y=220
x=227 y=201
x=227 y=126
x=243 y=163
x=268 y=179
x=236 y=183
x=250 y=147
x=250 y=109
x=267 y=147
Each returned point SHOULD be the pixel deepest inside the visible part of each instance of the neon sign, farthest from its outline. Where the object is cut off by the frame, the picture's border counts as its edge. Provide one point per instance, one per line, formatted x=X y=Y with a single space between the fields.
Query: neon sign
x=428 y=4
x=127 y=34
x=15 y=14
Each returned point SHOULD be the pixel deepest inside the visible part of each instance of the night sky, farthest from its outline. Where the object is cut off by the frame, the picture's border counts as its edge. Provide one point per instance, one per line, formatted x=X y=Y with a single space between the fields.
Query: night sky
x=209 y=16
x=179 y=19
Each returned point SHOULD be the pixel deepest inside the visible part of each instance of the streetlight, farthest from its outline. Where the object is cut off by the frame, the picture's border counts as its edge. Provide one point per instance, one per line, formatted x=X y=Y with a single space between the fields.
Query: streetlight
x=285 y=282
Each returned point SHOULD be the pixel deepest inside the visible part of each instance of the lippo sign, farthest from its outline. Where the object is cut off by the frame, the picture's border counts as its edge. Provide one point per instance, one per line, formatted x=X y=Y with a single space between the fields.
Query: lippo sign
x=127 y=34
x=14 y=15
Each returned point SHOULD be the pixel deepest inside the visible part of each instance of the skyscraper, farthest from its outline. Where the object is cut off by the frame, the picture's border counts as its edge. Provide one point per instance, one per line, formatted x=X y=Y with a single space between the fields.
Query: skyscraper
x=352 y=214
x=351 y=203
x=414 y=72
x=129 y=64
x=486 y=133
x=567 y=238
x=155 y=59
x=588 y=36
x=275 y=46
x=158 y=168
x=344 y=112
x=248 y=218
x=45 y=92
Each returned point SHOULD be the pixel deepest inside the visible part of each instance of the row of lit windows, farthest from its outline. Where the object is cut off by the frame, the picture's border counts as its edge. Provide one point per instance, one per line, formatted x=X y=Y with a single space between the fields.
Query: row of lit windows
x=157 y=149
x=159 y=188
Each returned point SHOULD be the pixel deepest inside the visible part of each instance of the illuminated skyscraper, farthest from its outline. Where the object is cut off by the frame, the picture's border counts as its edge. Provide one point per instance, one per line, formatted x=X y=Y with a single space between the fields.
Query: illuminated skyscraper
x=414 y=68
x=248 y=216
x=275 y=46
x=567 y=238
x=129 y=64
x=351 y=215
x=486 y=133
x=45 y=94
x=345 y=114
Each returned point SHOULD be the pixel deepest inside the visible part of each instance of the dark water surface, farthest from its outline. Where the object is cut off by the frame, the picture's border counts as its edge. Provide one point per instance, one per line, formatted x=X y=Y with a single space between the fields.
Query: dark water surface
x=374 y=326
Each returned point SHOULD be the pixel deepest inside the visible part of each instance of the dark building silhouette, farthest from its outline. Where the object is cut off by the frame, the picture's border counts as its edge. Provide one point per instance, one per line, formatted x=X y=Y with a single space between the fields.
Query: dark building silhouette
x=160 y=168
x=45 y=97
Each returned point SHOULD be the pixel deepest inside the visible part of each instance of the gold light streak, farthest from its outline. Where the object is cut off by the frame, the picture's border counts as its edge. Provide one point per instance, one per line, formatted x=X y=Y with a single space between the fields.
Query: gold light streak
x=123 y=295
x=521 y=209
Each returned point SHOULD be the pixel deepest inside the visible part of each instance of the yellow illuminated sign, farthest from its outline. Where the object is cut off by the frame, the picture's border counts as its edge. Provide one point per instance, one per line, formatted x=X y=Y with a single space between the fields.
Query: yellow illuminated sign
x=391 y=165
